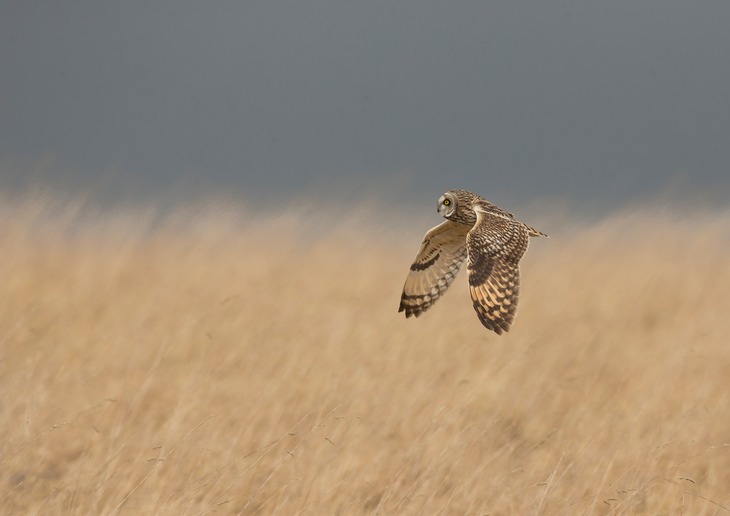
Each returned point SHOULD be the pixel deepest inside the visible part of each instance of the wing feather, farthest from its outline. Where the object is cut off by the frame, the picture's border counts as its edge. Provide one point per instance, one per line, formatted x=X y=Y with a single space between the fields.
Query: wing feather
x=437 y=263
x=495 y=246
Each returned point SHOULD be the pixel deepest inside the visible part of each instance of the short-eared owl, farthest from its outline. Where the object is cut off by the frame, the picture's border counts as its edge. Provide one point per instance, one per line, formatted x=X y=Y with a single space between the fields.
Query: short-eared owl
x=491 y=241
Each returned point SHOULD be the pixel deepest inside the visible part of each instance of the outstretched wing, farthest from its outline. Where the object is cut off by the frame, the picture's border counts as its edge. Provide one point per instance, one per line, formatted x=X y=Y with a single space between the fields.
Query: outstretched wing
x=495 y=246
x=438 y=261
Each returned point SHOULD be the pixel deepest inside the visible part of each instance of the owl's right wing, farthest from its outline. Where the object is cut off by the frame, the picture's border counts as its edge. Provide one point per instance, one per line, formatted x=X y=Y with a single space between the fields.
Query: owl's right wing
x=442 y=252
x=495 y=246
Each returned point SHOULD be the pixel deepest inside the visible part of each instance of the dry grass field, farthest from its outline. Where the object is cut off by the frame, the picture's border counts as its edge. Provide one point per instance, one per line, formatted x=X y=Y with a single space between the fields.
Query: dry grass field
x=215 y=362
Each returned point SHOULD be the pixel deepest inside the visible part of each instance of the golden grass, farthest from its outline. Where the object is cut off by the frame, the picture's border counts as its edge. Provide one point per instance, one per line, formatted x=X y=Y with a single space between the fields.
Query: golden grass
x=220 y=363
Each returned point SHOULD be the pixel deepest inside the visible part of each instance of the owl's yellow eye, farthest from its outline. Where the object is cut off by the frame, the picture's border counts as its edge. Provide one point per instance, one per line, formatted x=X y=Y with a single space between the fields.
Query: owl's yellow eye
x=447 y=202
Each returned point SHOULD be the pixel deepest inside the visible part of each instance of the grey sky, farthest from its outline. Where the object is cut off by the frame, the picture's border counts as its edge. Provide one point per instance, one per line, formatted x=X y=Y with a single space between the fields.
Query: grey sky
x=601 y=101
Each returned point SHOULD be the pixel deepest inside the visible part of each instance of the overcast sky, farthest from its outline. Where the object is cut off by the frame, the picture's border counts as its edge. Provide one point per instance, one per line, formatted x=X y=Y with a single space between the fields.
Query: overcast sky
x=589 y=101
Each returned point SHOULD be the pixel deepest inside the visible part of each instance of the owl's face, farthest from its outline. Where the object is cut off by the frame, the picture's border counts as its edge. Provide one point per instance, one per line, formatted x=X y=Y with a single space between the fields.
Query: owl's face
x=457 y=206
x=447 y=204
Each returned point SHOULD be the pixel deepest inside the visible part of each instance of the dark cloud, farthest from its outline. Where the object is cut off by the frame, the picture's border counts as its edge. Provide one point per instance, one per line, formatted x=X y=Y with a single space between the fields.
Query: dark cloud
x=599 y=101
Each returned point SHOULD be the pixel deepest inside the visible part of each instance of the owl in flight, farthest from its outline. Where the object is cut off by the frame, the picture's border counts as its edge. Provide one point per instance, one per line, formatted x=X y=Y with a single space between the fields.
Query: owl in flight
x=490 y=240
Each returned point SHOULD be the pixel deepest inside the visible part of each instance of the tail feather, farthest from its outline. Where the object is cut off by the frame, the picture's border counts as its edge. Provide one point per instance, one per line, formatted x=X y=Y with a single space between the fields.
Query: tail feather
x=534 y=232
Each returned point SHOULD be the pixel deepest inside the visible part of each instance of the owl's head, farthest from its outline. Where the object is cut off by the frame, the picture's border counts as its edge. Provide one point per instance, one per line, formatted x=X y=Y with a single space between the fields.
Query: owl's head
x=447 y=204
x=457 y=205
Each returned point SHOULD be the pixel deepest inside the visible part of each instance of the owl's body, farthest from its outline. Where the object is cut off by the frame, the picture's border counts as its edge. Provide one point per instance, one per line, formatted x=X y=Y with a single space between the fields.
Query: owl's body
x=490 y=240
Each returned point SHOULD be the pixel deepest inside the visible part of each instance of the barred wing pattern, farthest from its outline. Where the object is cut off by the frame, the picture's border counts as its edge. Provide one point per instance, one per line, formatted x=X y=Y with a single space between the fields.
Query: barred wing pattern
x=495 y=246
x=442 y=252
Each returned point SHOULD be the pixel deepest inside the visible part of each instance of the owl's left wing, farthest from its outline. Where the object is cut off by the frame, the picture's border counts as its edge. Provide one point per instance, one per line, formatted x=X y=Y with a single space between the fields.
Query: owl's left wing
x=495 y=246
x=439 y=259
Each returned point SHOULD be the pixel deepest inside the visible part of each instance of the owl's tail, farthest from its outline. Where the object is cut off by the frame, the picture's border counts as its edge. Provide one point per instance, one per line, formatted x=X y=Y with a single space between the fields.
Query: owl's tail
x=534 y=232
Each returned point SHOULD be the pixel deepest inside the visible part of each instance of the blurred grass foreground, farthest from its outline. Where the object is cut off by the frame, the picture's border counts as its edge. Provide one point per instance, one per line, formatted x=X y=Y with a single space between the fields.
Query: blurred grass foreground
x=215 y=361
